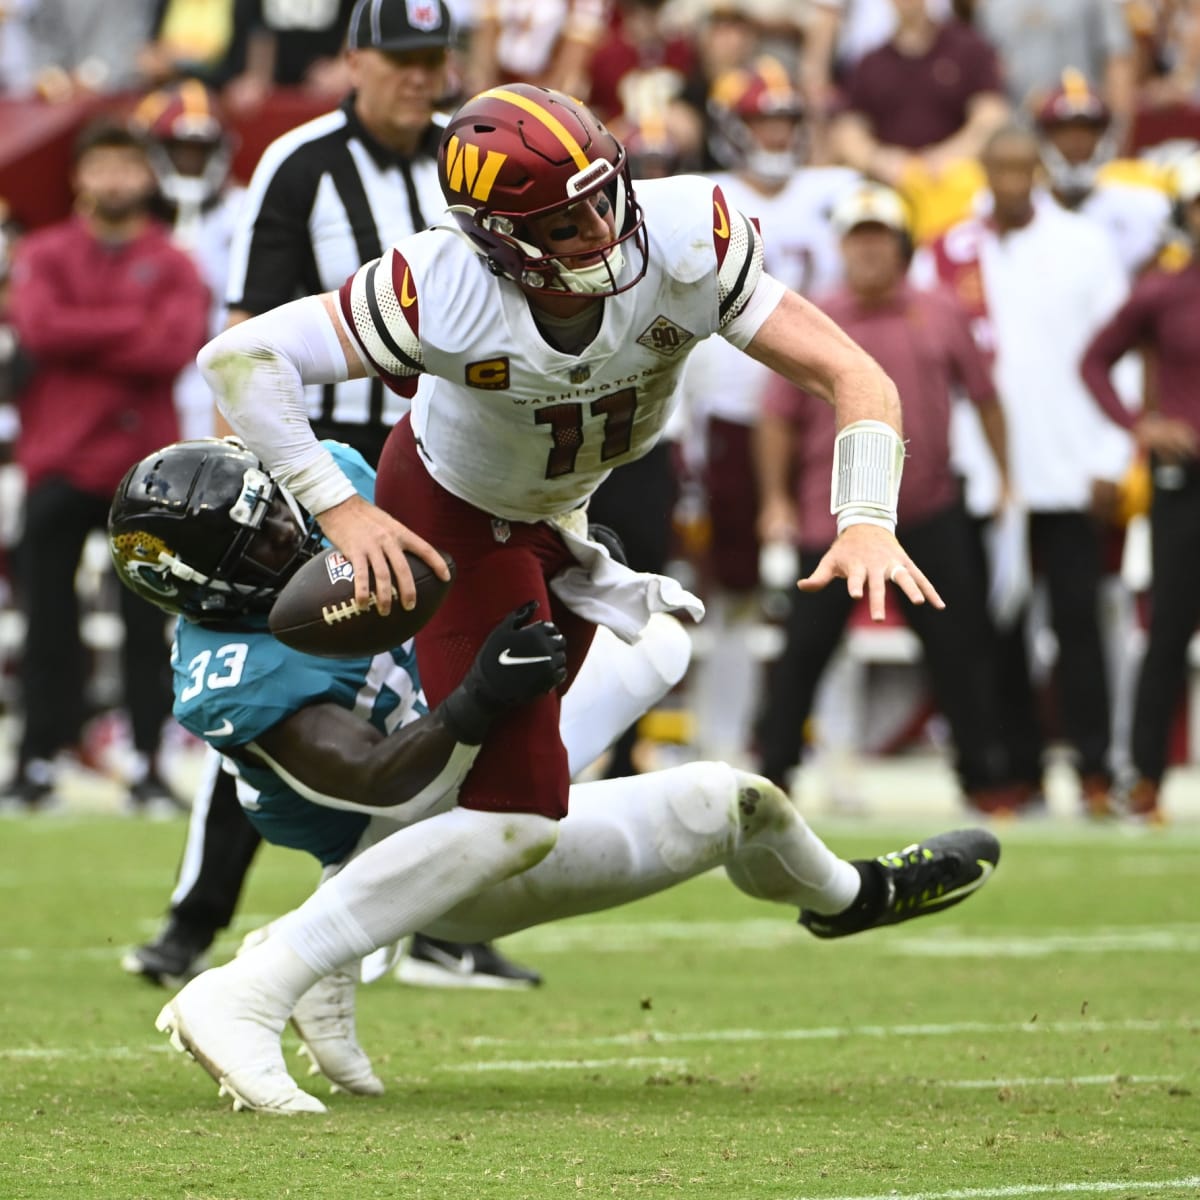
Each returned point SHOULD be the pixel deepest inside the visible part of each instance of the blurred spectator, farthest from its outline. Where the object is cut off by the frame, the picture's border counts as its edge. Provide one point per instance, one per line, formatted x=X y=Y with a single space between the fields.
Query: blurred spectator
x=110 y=312
x=838 y=34
x=84 y=46
x=1162 y=316
x=16 y=48
x=1078 y=148
x=759 y=130
x=1039 y=282
x=918 y=110
x=547 y=42
x=191 y=151
x=196 y=39
x=923 y=340
x=1167 y=36
x=1039 y=39
x=296 y=43
x=726 y=40
x=638 y=74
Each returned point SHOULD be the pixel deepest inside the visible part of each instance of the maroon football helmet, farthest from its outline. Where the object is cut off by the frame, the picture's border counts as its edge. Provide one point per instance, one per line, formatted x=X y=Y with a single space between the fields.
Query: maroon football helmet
x=739 y=102
x=190 y=147
x=517 y=152
x=1075 y=131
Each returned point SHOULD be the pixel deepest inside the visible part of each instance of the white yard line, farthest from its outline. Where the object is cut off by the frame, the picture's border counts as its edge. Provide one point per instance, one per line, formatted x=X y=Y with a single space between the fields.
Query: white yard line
x=568 y=1064
x=651 y=1037
x=1055 y=1081
x=1132 y=1187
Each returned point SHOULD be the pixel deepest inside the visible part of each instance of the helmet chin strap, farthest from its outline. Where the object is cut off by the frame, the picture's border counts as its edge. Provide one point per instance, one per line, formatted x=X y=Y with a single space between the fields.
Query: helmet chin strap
x=587 y=281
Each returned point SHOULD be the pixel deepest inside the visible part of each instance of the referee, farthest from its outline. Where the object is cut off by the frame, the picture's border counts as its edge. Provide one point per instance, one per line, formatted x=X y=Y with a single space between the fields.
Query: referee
x=325 y=198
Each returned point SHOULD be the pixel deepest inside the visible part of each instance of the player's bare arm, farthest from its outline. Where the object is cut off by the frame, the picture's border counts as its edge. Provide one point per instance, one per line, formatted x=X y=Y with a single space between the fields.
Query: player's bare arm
x=332 y=755
x=258 y=370
x=802 y=344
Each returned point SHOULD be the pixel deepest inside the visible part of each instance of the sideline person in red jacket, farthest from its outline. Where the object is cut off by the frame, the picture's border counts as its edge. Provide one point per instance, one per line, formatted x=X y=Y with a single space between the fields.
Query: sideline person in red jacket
x=109 y=311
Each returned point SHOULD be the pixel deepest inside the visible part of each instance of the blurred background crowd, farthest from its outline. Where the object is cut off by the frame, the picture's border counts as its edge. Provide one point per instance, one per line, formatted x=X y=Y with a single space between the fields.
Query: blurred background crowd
x=1000 y=199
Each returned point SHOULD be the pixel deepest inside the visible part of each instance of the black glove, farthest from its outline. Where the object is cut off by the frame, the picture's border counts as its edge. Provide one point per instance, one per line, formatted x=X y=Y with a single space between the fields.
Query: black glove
x=610 y=539
x=517 y=663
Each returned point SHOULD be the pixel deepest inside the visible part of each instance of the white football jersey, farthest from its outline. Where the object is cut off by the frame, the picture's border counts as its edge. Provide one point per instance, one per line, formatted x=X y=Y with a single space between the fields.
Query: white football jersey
x=1135 y=219
x=207 y=236
x=512 y=425
x=801 y=250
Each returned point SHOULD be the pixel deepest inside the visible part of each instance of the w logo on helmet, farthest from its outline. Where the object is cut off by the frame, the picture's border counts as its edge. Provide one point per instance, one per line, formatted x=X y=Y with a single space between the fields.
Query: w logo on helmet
x=464 y=172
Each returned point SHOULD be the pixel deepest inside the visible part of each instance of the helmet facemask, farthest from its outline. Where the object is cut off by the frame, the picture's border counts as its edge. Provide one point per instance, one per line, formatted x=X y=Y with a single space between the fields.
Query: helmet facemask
x=210 y=535
x=507 y=241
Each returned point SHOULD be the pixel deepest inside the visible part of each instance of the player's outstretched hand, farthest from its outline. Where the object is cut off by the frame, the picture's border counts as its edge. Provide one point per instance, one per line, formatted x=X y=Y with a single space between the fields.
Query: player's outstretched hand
x=517 y=662
x=870 y=557
x=375 y=543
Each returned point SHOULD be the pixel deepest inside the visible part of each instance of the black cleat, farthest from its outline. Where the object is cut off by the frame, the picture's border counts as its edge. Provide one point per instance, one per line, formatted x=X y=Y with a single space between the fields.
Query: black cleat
x=429 y=962
x=152 y=797
x=174 y=957
x=919 y=880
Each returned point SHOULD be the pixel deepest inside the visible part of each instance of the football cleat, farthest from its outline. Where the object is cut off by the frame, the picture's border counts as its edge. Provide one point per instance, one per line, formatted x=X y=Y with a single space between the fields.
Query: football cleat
x=919 y=880
x=324 y=1019
x=228 y=1031
x=152 y=797
x=174 y=957
x=430 y=962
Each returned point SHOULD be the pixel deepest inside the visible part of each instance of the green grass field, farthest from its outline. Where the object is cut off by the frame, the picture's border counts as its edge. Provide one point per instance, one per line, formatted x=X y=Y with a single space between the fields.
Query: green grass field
x=1043 y=1039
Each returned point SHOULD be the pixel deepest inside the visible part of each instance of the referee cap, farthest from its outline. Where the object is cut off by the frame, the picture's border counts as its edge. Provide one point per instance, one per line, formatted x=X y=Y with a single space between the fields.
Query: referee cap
x=399 y=25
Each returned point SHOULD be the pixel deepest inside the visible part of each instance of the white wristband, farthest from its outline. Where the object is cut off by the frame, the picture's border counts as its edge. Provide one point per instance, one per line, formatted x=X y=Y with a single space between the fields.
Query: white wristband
x=868 y=460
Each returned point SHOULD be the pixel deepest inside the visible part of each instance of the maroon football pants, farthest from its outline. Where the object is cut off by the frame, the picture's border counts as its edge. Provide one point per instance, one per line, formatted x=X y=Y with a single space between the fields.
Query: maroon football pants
x=522 y=766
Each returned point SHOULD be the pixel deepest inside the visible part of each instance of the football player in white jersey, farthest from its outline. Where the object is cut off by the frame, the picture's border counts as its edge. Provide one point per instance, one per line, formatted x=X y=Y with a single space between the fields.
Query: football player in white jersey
x=1126 y=197
x=759 y=131
x=191 y=152
x=553 y=309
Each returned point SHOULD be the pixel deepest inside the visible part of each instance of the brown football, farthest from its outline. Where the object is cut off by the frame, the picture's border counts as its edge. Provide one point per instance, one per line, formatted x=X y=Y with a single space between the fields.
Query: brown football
x=315 y=612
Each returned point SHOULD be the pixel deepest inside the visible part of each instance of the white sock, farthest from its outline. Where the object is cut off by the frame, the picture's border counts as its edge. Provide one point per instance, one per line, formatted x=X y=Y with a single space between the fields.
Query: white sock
x=275 y=974
x=402 y=883
x=617 y=683
x=624 y=839
x=781 y=859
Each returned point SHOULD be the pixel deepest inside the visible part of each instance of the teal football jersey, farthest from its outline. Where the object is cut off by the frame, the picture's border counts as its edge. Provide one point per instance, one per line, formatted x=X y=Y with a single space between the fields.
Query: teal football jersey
x=234 y=683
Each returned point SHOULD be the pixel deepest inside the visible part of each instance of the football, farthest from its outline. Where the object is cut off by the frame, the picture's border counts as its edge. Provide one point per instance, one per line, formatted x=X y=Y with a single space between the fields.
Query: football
x=315 y=612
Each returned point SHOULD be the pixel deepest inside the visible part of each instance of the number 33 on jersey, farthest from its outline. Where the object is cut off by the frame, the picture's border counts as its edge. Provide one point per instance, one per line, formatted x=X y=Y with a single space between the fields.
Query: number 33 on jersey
x=502 y=409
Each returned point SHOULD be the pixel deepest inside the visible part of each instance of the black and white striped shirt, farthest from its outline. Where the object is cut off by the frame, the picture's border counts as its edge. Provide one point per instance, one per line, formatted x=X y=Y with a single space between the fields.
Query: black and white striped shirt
x=325 y=198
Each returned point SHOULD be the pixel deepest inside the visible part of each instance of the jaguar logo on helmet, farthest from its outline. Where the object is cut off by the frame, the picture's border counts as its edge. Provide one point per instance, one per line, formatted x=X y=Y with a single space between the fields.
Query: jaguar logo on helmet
x=145 y=558
x=518 y=153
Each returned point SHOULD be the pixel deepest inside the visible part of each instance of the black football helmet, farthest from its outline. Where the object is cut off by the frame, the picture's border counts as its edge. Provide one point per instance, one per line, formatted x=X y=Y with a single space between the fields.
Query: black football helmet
x=201 y=529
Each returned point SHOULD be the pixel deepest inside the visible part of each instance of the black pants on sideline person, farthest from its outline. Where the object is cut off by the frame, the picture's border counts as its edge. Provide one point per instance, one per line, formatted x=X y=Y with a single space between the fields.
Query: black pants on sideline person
x=220 y=847
x=58 y=519
x=957 y=645
x=1067 y=555
x=1174 y=613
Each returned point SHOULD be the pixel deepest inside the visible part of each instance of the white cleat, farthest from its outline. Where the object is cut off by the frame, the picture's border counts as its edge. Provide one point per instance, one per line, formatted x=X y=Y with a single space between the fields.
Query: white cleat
x=218 y=1023
x=324 y=1019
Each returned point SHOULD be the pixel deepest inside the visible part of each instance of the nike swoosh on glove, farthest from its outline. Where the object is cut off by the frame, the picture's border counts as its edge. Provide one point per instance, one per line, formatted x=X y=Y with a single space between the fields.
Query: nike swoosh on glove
x=517 y=663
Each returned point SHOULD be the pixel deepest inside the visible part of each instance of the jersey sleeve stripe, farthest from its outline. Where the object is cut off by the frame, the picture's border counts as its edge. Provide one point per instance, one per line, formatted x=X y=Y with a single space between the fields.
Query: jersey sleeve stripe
x=740 y=272
x=379 y=284
x=366 y=313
